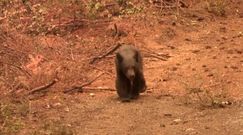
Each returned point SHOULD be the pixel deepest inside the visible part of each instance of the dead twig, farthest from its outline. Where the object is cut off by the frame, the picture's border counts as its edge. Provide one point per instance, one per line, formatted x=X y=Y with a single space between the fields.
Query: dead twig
x=99 y=88
x=27 y=6
x=154 y=56
x=157 y=54
x=172 y=4
x=18 y=67
x=41 y=88
x=102 y=70
x=116 y=33
x=80 y=88
x=81 y=22
x=110 y=5
x=106 y=54
x=87 y=59
x=163 y=7
x=72 y=54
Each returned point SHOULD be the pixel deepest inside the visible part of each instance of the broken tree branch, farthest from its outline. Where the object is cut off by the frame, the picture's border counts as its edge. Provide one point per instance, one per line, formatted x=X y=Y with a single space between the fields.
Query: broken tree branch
x=99 y=88
x=43 y=87
x=102 y=70
x=159 y=56
x=18 y=67
x=155 y=56
x=106 y=54
x=80 y=88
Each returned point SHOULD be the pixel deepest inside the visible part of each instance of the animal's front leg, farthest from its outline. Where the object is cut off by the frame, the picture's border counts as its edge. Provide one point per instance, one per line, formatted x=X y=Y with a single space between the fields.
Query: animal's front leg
x=130 y=92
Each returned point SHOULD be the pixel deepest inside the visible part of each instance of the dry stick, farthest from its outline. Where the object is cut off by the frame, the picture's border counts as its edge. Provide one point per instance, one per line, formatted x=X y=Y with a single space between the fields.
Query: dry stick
x=40 y=88
x=163 y=57
x=157 y=54
x=161 y=4
x=116 y=30
x=72 y=54
x=177 y=7
x=154 y=56
x=169 y=5
x=27 y=7
x=18 y=67
x=110 y=5
x=87 y=59
x=99 y=88
x=161 y=7
x=107 y=53
x=80 y=88
x=95 y=67
x=81 y=21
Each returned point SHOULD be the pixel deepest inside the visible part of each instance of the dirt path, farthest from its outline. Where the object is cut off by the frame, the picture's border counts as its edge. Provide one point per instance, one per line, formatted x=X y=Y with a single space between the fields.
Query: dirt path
x=198 y=90
x=151 y=114
x=171 y=106
x=199 y=58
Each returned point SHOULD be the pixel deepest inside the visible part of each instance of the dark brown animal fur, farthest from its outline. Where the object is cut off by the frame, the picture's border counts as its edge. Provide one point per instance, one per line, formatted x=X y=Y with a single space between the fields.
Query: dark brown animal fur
x=129 y=70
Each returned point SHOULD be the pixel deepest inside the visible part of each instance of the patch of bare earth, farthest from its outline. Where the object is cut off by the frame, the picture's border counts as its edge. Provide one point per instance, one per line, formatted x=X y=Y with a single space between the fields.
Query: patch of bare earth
x=193 y=65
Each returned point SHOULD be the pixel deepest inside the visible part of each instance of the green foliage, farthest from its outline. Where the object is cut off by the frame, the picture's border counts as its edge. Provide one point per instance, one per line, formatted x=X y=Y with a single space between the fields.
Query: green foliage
x=4 y=3
x=202 y=94
x=217 y=7
x=10 y=117
x=94 y=8
x=128 y=7
x=38 y=22
x=42 y=18
x=121 y=2
x=54 y=128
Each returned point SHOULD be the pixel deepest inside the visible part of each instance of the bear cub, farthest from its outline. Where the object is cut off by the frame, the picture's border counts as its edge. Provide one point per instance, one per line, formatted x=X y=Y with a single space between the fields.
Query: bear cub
x=129 y=73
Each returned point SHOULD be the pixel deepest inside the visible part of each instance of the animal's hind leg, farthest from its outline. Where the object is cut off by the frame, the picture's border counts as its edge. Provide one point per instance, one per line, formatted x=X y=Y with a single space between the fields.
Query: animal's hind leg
x=134 y=92
x=141 y=83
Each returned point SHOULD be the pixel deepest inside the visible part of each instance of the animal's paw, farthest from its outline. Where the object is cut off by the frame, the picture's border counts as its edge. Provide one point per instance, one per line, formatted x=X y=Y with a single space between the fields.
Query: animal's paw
x=125 y=99
x=144 y=89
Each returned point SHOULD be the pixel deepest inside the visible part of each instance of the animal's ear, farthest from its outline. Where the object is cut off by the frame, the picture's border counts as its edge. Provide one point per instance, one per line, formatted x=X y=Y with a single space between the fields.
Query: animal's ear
x=119 y=57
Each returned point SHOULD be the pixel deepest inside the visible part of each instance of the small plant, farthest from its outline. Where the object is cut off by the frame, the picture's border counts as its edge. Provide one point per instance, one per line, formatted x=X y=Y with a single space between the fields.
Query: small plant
x=217 y=7
x=10 y=122
x=200 y=93
x=121 y=2
x=128 y=7
x=94 y=8
x=4 y=4
x=54 y=128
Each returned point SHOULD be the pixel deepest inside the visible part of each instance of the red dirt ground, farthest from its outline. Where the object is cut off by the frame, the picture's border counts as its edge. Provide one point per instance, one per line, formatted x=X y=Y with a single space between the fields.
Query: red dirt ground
x=198 y=90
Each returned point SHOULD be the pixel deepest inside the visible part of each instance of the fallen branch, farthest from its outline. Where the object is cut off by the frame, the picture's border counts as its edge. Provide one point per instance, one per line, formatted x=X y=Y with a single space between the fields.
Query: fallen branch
x=175 y=4
x=41 y=88
x=18 y=67
x=154 y=56
x=116 y=33
x=106 y=54
x=88 y=59
x=102 y=70
x=159 y=6
x=99 y=88
x=80 y=88
x=27 y=6
x=80 y=22
x=157 y=54
x=110 y=4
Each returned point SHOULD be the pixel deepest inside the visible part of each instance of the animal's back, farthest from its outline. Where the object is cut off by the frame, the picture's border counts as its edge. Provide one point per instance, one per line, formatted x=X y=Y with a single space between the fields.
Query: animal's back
x=127 y=50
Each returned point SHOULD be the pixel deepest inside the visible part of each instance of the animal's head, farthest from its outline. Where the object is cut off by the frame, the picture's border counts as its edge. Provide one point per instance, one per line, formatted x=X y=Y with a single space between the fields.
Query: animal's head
x=128 y=62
